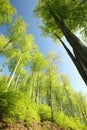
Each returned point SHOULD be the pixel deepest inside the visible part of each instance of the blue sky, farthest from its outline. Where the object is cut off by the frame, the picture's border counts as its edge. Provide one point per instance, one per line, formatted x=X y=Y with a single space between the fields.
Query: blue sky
x=25 y=9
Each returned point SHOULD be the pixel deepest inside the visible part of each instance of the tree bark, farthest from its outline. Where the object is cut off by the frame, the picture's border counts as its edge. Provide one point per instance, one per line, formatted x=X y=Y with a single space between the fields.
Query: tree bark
x=51 y=94
x=51 y=102
x=71 y=106
x=75 y=61
x=12 y=74
x=31 y=92
x=5 y=63
x=16 y=82
x=80 y=50
x=37 y=90
x=4 y=47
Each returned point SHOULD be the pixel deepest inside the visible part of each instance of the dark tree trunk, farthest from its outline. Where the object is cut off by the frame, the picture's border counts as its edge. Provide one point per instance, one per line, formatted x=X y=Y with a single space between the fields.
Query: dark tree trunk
x=4 y=47
x=75 y=61
x=80 y=50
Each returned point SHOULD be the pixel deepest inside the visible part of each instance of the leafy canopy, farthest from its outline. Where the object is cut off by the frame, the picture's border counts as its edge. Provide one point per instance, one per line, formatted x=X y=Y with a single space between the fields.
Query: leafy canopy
x=73 y=13
x=6 y=12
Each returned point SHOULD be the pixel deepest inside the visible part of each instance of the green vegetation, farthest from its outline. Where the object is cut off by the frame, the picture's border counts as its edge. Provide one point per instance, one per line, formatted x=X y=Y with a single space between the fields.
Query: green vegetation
x=63 y=18
x=35 y=91
x=45 y=112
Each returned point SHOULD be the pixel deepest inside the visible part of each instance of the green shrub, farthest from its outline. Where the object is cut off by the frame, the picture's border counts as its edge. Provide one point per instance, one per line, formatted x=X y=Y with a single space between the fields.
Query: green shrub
x=67 y=122
x=12 y=104
x=15 y=106
x=31 y=114
x=3 y=83
x=44 y=112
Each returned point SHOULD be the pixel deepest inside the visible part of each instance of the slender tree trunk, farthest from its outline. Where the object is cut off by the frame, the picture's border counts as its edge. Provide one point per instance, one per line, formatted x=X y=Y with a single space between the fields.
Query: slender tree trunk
x=78 y=112
x=37 y=90
x=30 y=92
x=16 y=82
x=83 y=115
x=12 y=74
x=51 y=95
x=71 y=106
x=5 y=63
x=31 y=86
x=4 y=47
x=58 y=102
x=51 y=102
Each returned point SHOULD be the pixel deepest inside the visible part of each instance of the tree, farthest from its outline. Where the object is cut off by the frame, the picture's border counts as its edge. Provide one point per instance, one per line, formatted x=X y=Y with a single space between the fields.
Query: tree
x=51 y=73
x=64 y=18
x=23 y=50
x=37 y=65
x=16 y=34
x=82 y=111
x=69 y=94
x=21 y=75
x=7 y=12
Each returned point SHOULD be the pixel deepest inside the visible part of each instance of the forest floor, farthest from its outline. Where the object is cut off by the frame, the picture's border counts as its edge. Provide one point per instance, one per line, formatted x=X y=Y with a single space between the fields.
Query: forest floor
x=21 y=126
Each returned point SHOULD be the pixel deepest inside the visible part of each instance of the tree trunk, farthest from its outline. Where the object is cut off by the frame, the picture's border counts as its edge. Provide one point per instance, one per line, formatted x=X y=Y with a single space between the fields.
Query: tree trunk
x=4 y=47
x=83 y=119
x=31 y=93
x=5 y=63
x=75 y=61
x=37 y=90
x=12 y=74
x=51 y=102
x=51 y=95
x=16 y=82
x=71 y=106
x=77 y=45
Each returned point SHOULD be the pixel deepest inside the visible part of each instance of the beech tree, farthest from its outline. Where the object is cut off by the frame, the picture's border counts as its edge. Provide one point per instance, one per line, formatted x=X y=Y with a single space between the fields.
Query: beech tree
x=51 y=73
x=22 y=50
x=37 y=66
x=63 y=18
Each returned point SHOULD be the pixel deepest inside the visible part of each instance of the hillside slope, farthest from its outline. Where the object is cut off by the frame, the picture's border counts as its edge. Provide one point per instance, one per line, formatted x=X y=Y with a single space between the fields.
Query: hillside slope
x=22 y=126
